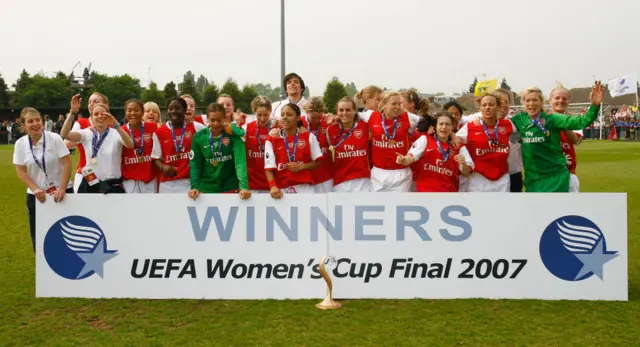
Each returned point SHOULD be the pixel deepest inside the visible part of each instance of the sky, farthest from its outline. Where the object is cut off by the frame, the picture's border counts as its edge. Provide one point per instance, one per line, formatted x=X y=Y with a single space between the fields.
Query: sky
x=434 y=46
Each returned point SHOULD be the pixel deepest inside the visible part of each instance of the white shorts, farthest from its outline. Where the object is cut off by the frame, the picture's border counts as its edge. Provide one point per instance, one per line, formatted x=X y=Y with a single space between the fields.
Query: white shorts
x=464 y=184
x=298 y=189
x=479 y=183
x=139 y=187
x=391 y=180
x=177 y=186
x=574 y=184
x=358 y=185
x=76 y=182
x=324 y=187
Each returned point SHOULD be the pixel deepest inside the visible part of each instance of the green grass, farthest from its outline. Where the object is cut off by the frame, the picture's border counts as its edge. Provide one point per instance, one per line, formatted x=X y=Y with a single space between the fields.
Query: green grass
x=603 y=166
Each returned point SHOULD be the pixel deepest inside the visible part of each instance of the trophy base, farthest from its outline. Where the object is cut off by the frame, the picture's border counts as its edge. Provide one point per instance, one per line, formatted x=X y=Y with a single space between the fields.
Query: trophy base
x=328 y=304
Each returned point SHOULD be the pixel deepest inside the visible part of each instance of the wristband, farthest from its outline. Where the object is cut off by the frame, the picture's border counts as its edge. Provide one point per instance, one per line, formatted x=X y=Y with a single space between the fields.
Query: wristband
x=272 y=183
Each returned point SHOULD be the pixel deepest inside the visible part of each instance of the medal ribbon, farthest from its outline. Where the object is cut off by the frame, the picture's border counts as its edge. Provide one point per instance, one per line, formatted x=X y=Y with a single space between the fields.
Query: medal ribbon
x=384 y=127
x=139 y=149
x=537 y=123
x=95 y=144
x=292 y=158
x=260 y=145
x=345 y=136
x=445 y=155
x=309 y=127
x=175 y=141
x=495 y=133
x=211 y=138
x=42 y=165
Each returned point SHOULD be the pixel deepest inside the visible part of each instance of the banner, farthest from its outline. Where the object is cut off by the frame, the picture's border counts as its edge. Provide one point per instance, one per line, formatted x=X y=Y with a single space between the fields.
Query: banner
x=384 y=245
x=623 y=85
x=485 y=87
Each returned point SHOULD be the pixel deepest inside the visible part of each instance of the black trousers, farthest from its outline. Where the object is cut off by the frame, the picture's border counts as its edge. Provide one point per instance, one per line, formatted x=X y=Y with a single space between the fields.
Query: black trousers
x=31 y=207
x=516 y=183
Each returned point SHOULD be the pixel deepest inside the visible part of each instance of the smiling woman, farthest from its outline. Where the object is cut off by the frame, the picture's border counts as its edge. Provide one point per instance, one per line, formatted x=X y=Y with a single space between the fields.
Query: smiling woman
x=138 y=173
x=42 y=163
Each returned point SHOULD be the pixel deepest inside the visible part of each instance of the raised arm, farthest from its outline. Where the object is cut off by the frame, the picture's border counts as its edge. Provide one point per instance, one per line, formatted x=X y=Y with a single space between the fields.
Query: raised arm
x=581 y=122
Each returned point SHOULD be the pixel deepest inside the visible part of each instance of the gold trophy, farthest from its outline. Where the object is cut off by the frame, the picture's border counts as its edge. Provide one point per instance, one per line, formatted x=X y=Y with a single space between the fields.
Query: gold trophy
x=327 y=303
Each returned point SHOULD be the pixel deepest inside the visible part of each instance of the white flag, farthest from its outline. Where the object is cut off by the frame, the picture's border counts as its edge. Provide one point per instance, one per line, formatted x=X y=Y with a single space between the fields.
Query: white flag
x=623 y=85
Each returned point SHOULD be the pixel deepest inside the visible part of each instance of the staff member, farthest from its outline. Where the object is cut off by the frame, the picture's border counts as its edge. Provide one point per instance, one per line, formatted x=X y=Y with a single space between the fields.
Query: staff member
x=103 y=151
x=290 y=156
x=172 y=148
x=256 y=135
x=348 y=141
x=545 y=166
x=295 y=87
x=218 y=163
x=42 y=163
x=488 y=143
x=440 y=164
x=313 y=122
x=138 y=172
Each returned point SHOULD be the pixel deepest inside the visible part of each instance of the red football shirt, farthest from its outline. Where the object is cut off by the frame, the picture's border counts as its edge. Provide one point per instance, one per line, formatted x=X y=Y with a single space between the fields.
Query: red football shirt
x=255 y=137
x=384 y=150
x=139 y=168
x=165 y=148
x=490 y=160
x=275 y=158
x=434 y=174
x=325 y=171
x=570 y=151
x=352 y=155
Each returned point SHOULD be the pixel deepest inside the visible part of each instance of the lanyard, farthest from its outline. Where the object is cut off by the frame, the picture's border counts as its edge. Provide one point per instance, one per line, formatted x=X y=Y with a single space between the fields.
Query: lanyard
x=217 y=143
x=260 y=145
x=384 y=127
x=140 y=149
x=42 y=165
x=173 y=134
x=445 y=155
x=495 y=133
x=537 y=123
x=309 y=126
x=95 y=143
x=345 y=136
x=292 y=158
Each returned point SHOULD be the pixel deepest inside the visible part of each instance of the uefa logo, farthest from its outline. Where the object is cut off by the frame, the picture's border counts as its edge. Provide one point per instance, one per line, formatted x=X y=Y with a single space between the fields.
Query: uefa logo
x=573 y=248
x=75 y=248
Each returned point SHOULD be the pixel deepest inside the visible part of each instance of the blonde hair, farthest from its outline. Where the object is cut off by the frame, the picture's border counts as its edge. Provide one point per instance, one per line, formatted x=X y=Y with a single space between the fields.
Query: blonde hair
x=529 y=90
x=260 y=101
x=368 y=92
x=349 y=100
x=385 y=98
x=421 y=104
x=501 y=91
x=105 y=106
x=315 y=104
x=152 y=106
x=557 y=88
x=494 y=95
x=187 y=96
x=104 y=98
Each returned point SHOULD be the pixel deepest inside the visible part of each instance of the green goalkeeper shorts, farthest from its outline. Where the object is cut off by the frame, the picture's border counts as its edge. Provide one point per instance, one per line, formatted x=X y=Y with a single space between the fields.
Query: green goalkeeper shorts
x=558 y=183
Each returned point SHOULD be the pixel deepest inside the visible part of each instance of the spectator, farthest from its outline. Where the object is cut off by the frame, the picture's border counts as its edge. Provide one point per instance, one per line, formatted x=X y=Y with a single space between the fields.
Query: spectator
x=48 y=123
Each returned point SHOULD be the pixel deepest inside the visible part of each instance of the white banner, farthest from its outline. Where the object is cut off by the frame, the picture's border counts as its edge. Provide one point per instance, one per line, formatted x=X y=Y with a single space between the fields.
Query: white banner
x=385 y=245
x=623 y=85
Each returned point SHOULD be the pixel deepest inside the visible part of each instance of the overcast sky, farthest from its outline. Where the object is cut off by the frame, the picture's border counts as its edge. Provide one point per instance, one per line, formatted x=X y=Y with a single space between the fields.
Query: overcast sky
x=435 y=46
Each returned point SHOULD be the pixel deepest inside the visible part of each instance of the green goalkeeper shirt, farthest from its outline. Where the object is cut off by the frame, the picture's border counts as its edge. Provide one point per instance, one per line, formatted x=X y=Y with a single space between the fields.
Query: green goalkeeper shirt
x=541 y=152
x=220 y=170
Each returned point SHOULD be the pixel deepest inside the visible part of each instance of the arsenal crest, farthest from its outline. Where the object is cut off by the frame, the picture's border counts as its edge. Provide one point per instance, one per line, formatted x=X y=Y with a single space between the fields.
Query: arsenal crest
x=225 y=141
x=188 y=135
x=301 y=144
x=357 y=133
x=147 y=137
x=502 y=130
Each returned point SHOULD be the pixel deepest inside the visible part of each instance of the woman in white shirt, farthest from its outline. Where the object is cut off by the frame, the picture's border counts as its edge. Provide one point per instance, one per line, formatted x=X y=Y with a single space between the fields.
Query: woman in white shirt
x=103 y=151
x=42 y=162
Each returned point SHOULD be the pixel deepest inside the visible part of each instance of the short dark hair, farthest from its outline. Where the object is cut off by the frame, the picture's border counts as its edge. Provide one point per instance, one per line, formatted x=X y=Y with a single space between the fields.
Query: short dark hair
x=215 y=108
x=181 y=101
x=293 y=75
x=454 y=104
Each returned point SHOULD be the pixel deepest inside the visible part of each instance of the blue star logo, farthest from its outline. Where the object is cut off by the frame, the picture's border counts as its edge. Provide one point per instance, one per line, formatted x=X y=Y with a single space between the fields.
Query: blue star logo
x=594 y=262
x=95 y=260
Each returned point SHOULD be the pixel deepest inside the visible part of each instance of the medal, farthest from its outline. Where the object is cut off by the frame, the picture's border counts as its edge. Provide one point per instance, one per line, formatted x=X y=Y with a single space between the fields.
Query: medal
x=496 y=141
x=445 y=155
x=173 y=134
x=214 y=163
x=95 y=144
x=386 y=131
x=333 y=153
x=94 y=160
x=332 y=149
x=290 y=156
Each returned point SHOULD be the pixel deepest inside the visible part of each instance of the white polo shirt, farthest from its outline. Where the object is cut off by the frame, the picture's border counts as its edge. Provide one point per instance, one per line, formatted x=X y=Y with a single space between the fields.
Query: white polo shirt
x=276 y=107
x=55 y=149
x=109 y=155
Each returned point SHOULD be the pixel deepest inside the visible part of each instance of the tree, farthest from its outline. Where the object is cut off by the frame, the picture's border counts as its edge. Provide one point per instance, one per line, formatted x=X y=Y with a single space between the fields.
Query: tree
x=504 y=84
x=266 y=90
x=188 y=86
x=117 y=88
x=247 y=95
x=230 y=87
x=153 y=94
x=351 y=89
x=307 y=92
x=210 y=94
x=472 y=87
x=169 y=91
x=43 y=92
x=201 y=84
x=333 y=93
x=4 y=93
